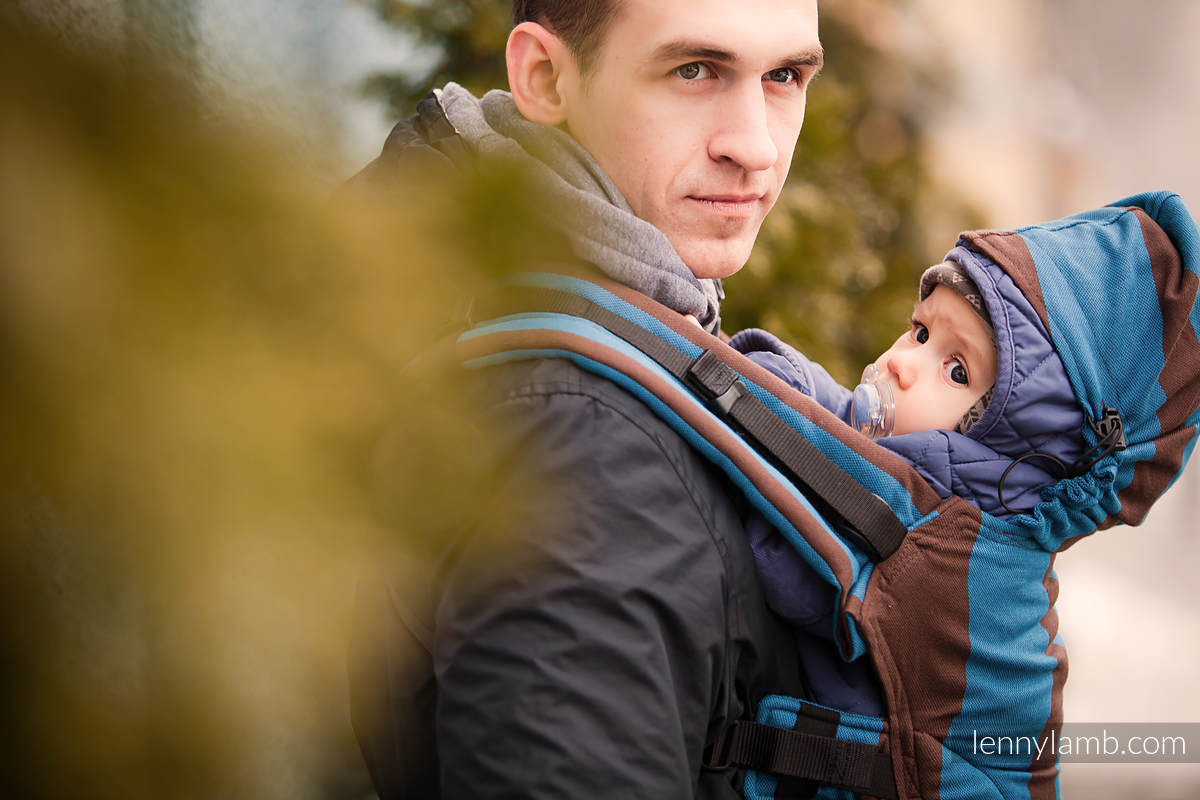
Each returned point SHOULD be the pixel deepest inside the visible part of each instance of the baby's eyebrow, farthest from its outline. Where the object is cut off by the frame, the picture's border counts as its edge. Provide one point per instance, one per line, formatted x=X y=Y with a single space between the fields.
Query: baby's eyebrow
x=967 y=347
x=971 y=348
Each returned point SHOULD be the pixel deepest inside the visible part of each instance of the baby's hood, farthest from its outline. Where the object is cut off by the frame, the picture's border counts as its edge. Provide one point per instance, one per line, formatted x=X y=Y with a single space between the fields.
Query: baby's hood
x=1031 y=427
x=1114 y=291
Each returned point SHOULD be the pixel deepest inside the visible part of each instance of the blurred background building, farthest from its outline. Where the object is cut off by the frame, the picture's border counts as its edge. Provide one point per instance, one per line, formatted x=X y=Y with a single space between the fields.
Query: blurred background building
x=984 y=114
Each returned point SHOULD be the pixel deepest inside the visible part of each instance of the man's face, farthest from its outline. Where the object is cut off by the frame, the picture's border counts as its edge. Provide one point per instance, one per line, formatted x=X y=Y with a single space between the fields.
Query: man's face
x=693 y=107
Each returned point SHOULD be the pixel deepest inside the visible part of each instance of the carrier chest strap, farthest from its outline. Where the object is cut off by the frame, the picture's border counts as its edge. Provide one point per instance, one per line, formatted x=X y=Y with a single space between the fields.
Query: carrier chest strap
x=868 y=515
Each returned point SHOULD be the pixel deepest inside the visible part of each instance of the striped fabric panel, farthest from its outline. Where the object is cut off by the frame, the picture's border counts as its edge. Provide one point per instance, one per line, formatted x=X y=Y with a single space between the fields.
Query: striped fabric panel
x=916 y=620
x=1179 y=378
x=961 y=627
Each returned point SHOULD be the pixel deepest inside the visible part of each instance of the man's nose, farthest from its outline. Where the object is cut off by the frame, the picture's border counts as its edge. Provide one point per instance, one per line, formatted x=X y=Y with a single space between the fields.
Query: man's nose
x=745 y=136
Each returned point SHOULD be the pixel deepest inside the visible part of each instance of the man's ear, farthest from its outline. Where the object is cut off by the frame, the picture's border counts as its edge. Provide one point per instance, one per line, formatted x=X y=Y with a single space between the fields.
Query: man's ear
x=537 y=63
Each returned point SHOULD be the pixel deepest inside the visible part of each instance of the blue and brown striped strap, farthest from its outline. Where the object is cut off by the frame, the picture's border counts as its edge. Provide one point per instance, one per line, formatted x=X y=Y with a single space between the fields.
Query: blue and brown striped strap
x=864 y=514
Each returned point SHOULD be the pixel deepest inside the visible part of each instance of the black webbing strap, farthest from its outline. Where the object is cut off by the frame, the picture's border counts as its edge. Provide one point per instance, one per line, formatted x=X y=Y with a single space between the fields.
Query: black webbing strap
x=827 y=760
x=871 y=518
x=864 y=511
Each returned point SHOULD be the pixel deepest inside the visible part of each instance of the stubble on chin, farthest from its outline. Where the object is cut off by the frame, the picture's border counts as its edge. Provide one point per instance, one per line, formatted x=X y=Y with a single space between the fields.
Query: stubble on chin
x=715 y=261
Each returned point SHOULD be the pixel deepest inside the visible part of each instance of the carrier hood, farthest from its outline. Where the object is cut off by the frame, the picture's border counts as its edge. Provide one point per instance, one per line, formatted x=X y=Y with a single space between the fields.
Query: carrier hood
x=1115 y=291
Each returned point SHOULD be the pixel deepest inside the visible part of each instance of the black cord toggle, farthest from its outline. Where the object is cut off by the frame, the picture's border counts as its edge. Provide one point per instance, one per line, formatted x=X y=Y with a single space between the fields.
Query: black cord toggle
x=1110 y=437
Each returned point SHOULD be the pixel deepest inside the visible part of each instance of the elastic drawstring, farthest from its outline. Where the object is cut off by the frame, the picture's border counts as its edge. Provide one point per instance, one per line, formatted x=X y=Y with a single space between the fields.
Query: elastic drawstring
x=1110 y=436
x=1000 y=489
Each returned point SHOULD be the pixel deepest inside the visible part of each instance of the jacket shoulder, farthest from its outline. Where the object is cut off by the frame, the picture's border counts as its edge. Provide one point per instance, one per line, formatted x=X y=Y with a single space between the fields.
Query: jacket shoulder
x=558 y=413
x=630 y=563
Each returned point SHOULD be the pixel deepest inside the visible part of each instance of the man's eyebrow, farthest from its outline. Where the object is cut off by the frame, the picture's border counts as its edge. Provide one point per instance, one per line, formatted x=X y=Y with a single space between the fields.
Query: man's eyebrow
x=685 y=49
x=814 y=57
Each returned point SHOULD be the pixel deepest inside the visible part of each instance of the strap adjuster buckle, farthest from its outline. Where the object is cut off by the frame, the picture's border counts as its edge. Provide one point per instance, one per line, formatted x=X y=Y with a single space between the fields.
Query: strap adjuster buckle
x=715 y=382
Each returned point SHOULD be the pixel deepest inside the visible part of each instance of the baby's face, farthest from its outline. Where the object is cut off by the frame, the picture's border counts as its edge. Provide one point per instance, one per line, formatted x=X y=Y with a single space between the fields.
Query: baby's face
x=941 y=365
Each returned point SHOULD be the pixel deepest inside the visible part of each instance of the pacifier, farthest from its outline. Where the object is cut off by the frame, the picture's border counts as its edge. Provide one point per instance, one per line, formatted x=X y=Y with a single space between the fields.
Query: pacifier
x=873 y=408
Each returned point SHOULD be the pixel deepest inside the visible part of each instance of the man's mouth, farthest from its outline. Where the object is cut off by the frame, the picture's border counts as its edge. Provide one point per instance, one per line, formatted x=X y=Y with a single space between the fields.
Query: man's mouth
x=729 y=205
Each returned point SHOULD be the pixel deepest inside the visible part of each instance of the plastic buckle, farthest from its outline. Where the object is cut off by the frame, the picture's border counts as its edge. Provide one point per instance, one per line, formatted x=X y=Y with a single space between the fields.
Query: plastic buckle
x=724 y=401
x=715 y=382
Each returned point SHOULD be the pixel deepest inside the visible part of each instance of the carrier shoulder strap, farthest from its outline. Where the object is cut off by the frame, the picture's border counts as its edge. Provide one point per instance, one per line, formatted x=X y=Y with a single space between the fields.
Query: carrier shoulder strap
x=866 y=514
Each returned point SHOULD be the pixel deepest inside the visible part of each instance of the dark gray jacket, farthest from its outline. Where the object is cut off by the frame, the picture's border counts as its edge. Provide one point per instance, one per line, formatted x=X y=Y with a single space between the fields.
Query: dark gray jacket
x=604 y=622
x=594 y=635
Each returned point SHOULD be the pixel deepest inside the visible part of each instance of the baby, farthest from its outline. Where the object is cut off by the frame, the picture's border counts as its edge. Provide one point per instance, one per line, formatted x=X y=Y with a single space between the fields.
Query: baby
x=973 y=395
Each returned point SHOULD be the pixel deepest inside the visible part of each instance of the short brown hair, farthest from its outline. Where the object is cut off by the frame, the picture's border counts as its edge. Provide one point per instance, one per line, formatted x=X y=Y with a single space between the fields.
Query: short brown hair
x=581 y=24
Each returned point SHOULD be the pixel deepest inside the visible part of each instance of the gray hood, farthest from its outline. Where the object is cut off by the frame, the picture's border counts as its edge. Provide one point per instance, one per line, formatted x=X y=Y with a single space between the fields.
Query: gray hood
x=580 y=200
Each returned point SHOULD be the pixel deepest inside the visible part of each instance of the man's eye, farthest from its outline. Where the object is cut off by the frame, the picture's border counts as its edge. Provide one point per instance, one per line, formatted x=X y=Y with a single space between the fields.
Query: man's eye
x=956 y=372
x=693 y=71
x=783 y=75
x=920 y=333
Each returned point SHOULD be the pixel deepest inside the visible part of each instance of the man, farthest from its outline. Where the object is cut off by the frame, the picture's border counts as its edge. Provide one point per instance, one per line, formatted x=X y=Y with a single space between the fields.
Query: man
x=620 y=629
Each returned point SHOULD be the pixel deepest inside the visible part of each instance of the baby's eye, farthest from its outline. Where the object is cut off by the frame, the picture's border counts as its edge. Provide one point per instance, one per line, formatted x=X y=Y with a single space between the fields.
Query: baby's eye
x=956 y=372
x=920 y=333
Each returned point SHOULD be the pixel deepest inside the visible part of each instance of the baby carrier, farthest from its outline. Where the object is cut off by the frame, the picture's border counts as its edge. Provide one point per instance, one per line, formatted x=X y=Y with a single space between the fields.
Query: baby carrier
x=952 y=606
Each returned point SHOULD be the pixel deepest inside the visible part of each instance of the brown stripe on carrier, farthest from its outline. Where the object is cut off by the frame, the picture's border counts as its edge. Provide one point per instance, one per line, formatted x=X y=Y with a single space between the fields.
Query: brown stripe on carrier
x=924 y=498
x=1010 y=252
x=679 y=400
x=1044 y=770
x=1072 y=541
x=1179 y=379
x=923 y=668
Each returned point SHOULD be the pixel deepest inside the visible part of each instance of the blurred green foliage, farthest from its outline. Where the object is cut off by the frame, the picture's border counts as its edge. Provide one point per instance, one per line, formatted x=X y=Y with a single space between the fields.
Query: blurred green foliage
x=208 y=434
x=836 y=265
x=466 y=38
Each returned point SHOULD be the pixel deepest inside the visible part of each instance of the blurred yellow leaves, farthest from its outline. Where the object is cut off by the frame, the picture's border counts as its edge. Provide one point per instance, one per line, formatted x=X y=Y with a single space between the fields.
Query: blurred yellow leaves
x=203 y=355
